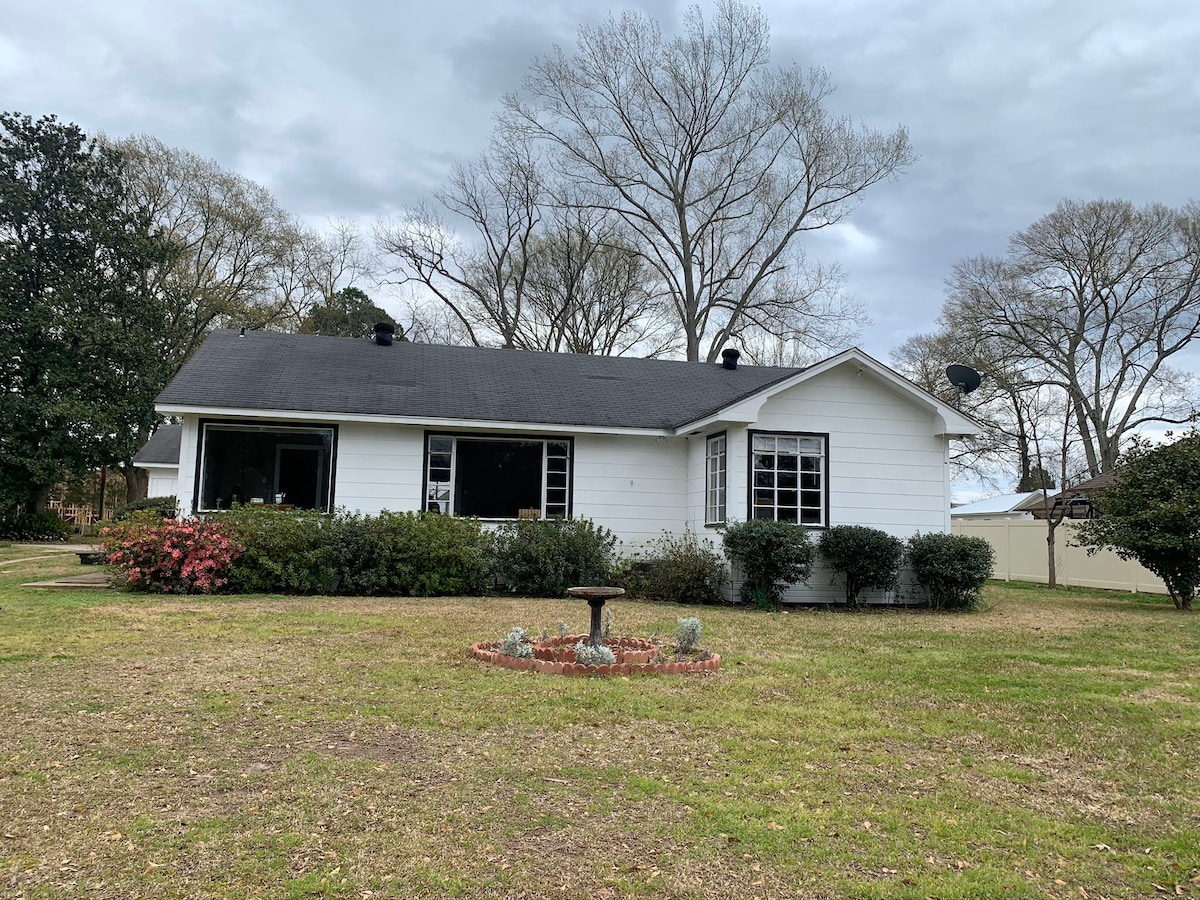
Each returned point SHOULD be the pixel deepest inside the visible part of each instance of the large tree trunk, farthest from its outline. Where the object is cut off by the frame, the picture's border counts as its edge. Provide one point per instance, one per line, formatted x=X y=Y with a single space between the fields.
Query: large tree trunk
x=137 y=482
x=39 y=498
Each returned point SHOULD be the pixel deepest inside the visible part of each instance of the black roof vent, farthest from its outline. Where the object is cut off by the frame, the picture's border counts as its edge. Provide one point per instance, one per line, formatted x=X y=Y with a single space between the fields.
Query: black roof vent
x=384 y=333
x=729 y=358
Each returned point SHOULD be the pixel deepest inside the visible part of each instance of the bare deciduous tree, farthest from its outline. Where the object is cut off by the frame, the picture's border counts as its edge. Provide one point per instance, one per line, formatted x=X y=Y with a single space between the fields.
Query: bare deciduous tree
x=231 y=241
x=316 y=268
x=1006 y=452
x=538 y=273
x=499 y=198
x=716 y=161
x=337 y=258
x=589 y=292
x=1095 y=299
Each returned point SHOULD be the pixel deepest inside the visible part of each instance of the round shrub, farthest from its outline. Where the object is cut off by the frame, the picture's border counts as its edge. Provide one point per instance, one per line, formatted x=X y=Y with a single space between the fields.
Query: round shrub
x=951 y=568
x=864 y=557
x=516 y=644
x=772 y=557
x=676 y=570
x=544 y=557
x=593 y=654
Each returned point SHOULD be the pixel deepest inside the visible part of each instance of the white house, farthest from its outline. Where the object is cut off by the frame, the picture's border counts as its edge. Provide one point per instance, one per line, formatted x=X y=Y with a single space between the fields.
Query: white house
x=160 y=458
x=1006 y=507
x=639 y=446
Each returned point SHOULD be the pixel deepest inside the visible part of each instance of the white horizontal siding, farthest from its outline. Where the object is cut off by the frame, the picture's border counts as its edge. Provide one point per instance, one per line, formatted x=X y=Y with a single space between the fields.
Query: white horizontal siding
x=635 y=486
x=164 y=482
x=887 y=467
x=379 y=467
x=187 y=464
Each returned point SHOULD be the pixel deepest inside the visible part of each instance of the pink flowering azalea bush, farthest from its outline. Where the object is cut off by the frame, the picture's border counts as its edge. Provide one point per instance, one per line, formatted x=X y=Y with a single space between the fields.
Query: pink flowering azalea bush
x=151 y=554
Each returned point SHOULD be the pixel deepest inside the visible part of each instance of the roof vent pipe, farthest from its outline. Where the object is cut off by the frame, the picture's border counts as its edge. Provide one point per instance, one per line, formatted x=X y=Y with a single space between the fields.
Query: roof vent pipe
x=384 y=332
x=729 y=358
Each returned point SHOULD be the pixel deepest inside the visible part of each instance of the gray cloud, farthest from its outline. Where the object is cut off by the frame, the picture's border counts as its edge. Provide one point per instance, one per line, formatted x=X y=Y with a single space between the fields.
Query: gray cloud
x=359 y=108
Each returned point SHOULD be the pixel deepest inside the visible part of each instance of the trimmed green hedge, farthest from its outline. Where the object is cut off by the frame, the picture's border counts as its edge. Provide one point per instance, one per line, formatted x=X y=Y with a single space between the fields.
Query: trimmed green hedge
x=864 y=557
x=544 y=557
x=772 y=556
x=305 y=552
x=166 y=507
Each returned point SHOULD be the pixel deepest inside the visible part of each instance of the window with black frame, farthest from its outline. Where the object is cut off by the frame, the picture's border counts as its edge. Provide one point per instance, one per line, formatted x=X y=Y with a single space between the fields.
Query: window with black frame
x=275 y=464
x=788 y=477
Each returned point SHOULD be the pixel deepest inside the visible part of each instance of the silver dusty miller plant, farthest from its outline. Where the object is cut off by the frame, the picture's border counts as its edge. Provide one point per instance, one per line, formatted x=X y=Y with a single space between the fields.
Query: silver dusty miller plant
x=599 y=655
x=687 y=635
x=563 y=631
x=517 y=644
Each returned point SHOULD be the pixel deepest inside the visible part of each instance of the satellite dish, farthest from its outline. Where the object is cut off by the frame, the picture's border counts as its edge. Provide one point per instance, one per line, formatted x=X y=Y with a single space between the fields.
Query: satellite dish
x=964 y=378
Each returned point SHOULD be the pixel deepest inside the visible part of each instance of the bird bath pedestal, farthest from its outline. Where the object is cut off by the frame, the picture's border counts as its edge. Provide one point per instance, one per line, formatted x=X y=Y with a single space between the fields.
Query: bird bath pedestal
x=596 y=598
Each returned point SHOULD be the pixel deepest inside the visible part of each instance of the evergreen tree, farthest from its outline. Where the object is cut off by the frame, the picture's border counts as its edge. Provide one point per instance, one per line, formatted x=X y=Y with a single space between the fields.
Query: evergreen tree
x=79 y=364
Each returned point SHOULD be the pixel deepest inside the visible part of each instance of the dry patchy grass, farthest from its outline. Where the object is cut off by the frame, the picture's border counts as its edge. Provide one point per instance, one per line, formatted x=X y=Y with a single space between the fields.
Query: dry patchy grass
x=330 y=747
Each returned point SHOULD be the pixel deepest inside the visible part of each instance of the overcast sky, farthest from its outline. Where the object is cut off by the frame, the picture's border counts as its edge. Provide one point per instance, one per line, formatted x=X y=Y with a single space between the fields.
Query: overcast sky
x=357 y=108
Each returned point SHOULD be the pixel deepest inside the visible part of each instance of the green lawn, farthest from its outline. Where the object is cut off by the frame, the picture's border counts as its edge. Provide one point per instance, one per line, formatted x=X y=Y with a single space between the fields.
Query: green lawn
x=277 y=747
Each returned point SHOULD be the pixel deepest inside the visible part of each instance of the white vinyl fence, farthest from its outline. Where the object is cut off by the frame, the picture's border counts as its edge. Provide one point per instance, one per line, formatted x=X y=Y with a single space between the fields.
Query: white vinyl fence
x=1022 y=555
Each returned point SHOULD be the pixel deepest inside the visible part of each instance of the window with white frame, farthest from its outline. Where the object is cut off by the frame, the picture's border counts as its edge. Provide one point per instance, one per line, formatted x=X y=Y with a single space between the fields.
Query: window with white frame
x=498 y=478
x=714 y=503
x=788 y=477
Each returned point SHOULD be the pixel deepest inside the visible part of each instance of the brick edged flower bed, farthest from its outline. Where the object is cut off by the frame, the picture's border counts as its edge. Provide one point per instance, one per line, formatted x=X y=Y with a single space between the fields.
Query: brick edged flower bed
x=556 y=656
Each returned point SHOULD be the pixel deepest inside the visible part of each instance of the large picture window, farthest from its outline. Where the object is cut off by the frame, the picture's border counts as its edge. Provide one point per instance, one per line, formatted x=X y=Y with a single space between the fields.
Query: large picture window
x=788 y=477
x=279 y=464
x=714 y=494
x=498 y=478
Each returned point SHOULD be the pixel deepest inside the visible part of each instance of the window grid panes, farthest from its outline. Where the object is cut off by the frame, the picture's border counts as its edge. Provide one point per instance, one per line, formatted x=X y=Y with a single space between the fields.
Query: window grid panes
x=714 y=507
x=448 y=488
x=788 y=478
x=556 y=479
x=441 y=474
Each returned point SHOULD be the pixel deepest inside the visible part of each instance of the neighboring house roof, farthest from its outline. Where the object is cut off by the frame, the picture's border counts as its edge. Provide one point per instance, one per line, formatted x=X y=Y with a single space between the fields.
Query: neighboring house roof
x=1084 y=490
x=1005 y=503
x=275 y=372
x=1089 y=487
x=162 y=449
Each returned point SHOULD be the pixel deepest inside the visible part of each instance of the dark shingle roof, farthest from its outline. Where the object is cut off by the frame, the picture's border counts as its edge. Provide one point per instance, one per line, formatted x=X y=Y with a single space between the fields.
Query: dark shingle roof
x=163 y=447
x=271 y=371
